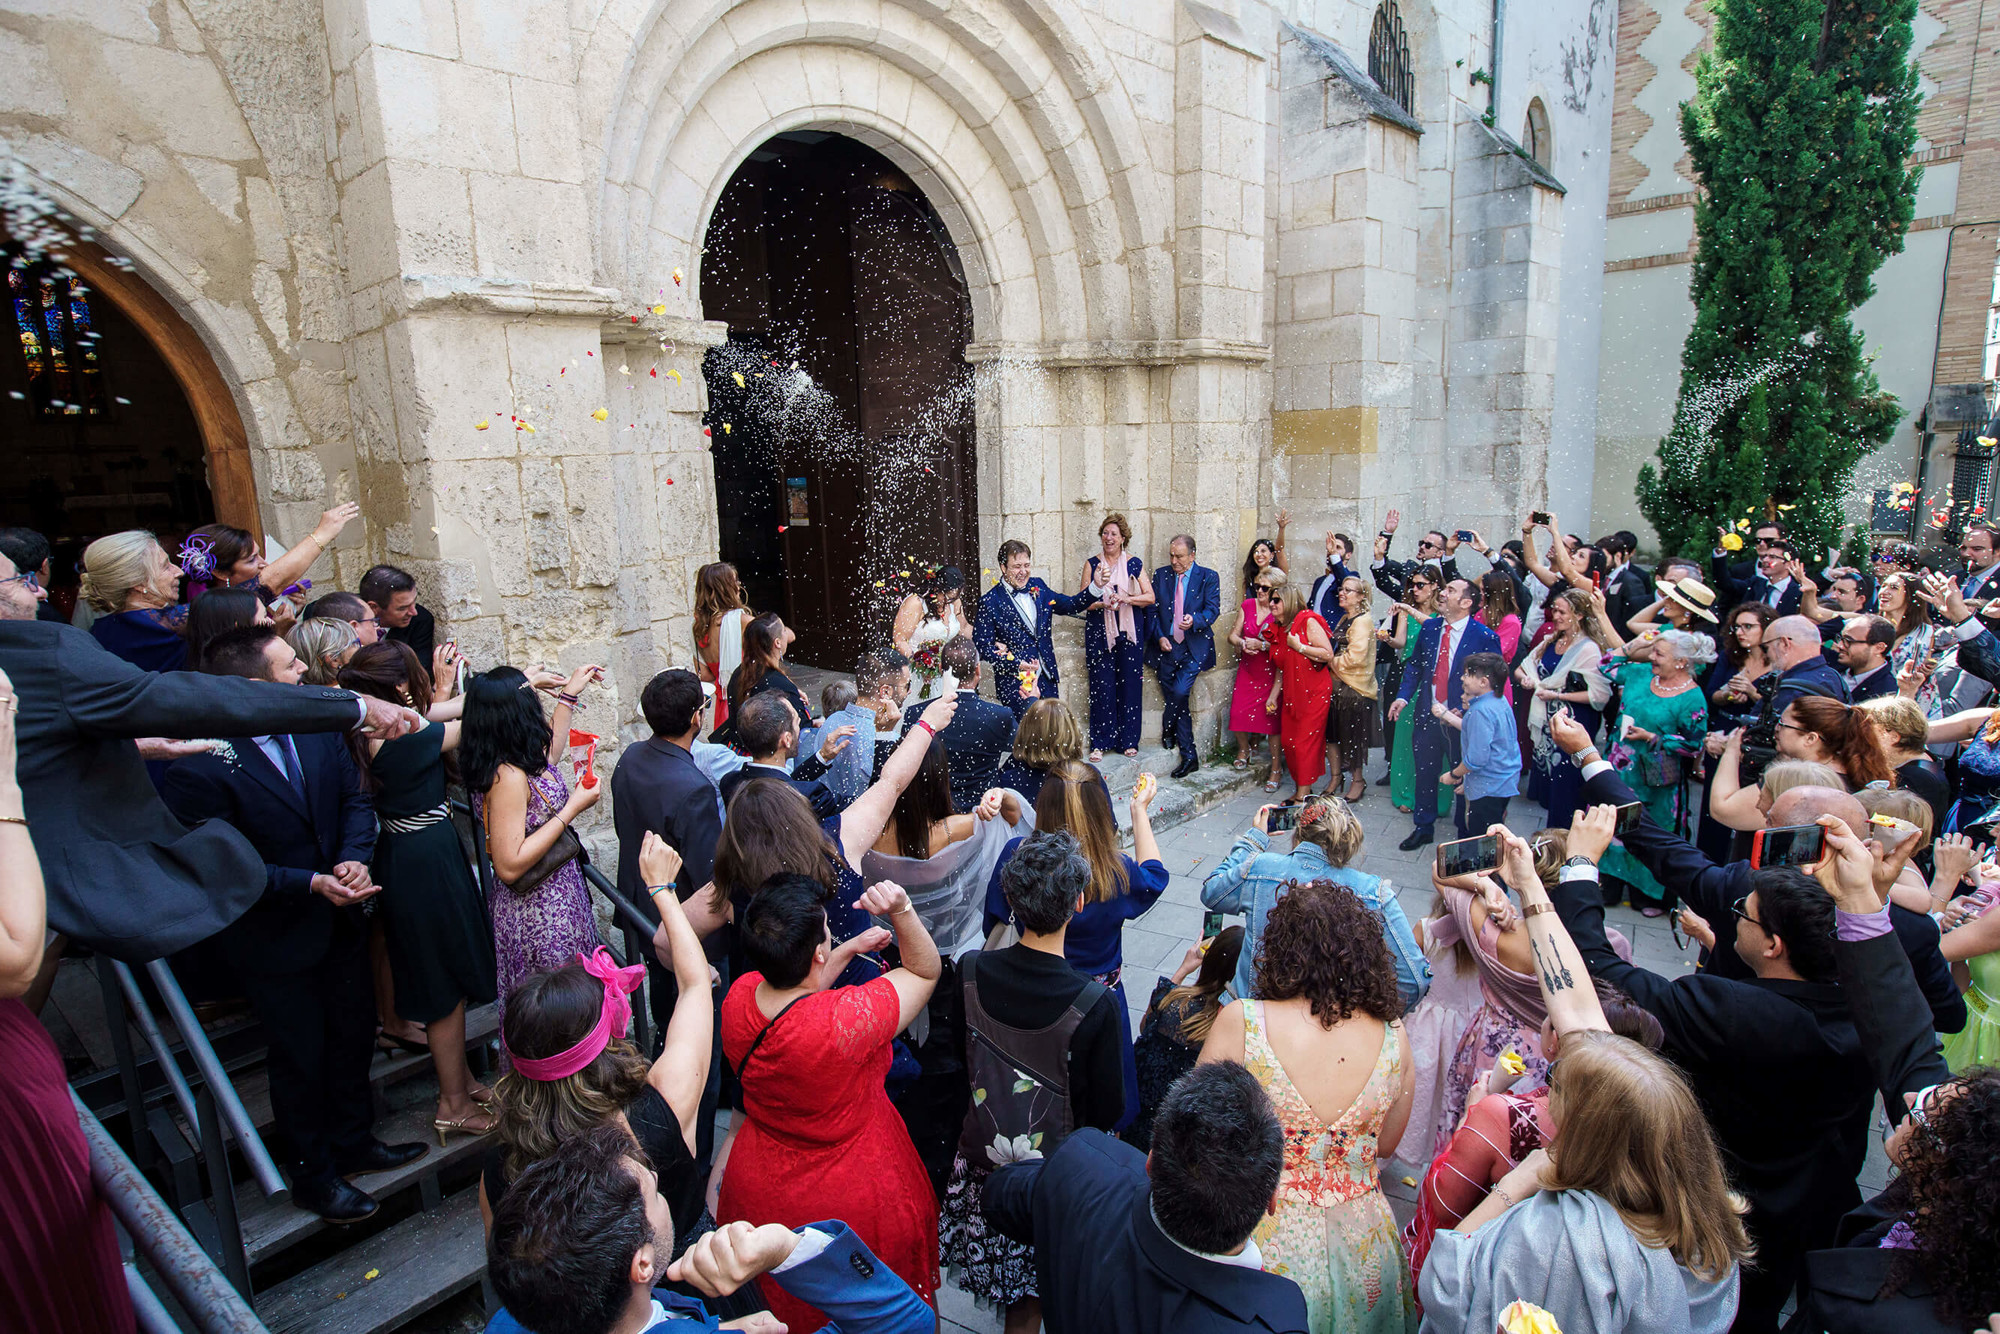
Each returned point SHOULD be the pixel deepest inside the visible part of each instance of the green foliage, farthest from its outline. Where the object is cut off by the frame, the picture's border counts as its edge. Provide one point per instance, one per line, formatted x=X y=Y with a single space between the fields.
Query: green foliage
x=1803 y=117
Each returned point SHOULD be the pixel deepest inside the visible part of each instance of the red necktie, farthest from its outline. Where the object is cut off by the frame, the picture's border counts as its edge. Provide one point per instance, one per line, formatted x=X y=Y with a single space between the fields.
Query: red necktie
x=1441 y=677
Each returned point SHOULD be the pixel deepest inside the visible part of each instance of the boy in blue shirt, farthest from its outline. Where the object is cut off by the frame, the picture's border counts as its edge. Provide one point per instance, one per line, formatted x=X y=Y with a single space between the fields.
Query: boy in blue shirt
x=1489 y=768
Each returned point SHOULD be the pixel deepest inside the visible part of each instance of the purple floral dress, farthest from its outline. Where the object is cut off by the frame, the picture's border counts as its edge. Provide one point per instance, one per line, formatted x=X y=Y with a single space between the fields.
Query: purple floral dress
x=543 y=930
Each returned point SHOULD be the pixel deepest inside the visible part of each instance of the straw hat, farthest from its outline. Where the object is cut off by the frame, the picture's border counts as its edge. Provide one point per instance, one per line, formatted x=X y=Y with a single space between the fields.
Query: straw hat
x=1692 y=594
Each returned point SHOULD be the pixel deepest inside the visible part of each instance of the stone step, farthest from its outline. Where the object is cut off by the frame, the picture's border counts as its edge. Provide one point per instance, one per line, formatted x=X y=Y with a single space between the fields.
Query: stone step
x=416 y=1264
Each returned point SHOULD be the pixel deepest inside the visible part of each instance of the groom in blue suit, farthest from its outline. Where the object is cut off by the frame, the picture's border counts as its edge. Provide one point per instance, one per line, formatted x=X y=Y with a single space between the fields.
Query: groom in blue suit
x=1011 y=630
x=1187 y=599
x=1431 y=677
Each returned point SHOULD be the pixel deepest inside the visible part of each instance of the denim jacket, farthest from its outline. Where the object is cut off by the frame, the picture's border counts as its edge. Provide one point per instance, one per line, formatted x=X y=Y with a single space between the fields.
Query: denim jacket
x=1250 y=878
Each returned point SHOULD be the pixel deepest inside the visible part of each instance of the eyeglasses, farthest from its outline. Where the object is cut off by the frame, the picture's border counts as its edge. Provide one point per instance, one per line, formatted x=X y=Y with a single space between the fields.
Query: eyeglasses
x=1791 y=727
x=27 y=579
x=1737 y=908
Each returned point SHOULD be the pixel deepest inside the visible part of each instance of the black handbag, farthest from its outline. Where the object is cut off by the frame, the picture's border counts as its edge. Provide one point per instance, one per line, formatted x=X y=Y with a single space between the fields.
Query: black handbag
x=566 y=849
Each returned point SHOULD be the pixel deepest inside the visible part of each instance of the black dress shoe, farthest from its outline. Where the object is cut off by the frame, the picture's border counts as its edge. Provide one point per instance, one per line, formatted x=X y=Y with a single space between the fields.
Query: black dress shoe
x=1186 y=767
x=1383 y=781
x=333 y=1199
x=1418 y=837
x=377 y=1157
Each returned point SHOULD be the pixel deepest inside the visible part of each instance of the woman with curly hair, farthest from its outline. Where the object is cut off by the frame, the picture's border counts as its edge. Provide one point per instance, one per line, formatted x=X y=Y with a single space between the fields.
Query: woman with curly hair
x=1325 y=1038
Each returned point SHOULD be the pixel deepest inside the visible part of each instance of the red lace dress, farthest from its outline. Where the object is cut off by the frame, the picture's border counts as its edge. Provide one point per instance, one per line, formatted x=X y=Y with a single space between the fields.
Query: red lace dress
x=820 y=1138
x=1306 y=695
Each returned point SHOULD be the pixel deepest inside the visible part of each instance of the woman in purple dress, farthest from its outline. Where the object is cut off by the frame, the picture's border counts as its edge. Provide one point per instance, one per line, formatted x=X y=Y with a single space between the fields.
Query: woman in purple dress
x=511 y=756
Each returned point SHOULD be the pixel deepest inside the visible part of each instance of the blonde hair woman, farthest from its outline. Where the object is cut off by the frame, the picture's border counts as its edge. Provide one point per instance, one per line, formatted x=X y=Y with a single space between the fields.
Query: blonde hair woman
x=1567 y=674
x=324 y=645
x=1112 y=650
x=1122 y=888
x=1905 y=730
x=135 y=589
x=1048 y=735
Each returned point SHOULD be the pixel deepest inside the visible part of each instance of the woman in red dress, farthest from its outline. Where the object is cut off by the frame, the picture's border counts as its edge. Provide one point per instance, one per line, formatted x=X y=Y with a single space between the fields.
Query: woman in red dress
x=1304 y=686
x=820 y=1139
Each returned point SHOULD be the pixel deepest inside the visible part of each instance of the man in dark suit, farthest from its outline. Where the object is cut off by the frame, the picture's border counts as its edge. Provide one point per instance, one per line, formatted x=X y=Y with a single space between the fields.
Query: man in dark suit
x=1325 y=595
x=391 y=594
x=124 y=876
x=1433 y=548
x=1131 y=1244
x=1792 y=647
x=1863 y=646
x=1724 y=572
x=301 y=953
x=1771 y=585
x=978 y=734
x=1626 y=591
x=1012 y=629
x=29 y=551
x=1188 y=598
x=1434 y=674
x=767 y=730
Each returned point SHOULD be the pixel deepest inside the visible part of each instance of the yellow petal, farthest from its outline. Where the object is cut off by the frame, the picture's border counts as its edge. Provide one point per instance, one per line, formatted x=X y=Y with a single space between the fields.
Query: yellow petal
x=1511 y=1062
x=725 y=428
x=1527 y=1318
x=738 y=377
x=659 y=310
x=601 y=413
x=1986 y=441
x=373 y=1273
x=529 y=429
x=481 y=426
x=1731 y=542
x=675 y=374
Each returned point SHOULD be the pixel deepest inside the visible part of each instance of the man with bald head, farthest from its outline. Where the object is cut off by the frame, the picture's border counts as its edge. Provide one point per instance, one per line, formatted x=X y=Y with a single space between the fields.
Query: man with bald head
x=1793 y=646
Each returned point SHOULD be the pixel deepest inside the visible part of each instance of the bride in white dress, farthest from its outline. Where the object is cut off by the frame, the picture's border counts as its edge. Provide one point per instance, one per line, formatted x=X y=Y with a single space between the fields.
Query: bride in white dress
x=926 y=621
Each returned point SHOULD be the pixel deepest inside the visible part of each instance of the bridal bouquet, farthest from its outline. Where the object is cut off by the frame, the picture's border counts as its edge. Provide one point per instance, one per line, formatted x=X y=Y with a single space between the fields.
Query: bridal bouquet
x=925 y=666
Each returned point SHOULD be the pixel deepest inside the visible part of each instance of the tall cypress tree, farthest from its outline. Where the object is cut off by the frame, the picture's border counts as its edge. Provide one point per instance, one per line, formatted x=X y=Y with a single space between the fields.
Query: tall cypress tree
x=1803 y=117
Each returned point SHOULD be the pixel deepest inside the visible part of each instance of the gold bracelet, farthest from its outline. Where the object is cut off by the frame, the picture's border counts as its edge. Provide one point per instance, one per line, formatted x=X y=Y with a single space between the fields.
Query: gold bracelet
x=20 y=820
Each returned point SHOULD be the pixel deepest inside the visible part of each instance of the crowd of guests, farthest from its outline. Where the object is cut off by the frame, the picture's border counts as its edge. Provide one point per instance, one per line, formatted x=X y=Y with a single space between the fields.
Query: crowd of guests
x=887 y=970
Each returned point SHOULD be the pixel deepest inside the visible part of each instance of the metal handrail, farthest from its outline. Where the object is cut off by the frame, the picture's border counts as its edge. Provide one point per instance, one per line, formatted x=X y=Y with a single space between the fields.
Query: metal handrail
x=163 y=1054
x=227 y=1105
x=189 y=1275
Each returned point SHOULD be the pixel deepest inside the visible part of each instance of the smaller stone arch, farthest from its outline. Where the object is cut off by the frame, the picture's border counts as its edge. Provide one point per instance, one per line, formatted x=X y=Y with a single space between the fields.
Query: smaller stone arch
x=1537 y=138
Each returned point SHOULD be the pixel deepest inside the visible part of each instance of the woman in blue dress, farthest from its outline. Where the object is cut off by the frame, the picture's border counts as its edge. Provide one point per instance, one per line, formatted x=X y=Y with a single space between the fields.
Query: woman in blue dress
x=1121 y=888
x=1566 y=674
x=134 y=587
x=1113 y=640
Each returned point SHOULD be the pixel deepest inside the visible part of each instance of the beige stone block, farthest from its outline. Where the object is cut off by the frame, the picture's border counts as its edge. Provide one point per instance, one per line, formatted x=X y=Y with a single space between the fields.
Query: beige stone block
x=182 y=101
x=31 y=86
x=439 y=112
x=427 y=27
x=530 y=230
x=130 y=19
x=546 y=130
x=529 y=37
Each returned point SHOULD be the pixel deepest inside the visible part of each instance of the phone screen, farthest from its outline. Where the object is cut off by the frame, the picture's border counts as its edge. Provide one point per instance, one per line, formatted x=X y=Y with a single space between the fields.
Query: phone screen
x=1211 y=925
x=1797 y=845
x=1285 y=815
x=1628 y=817
x=1464 y=534
x=1468 y=856
x=1539 y=516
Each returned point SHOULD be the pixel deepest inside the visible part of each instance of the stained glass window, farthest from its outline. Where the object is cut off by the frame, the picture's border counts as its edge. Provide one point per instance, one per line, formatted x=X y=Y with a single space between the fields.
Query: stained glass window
x=58 y=343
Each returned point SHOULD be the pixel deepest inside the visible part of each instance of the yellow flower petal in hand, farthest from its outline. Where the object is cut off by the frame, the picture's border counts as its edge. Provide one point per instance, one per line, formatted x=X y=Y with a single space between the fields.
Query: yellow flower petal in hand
x=601 y=413
x=1511 y=1062
x=1527 y=1318
x=1731 y=542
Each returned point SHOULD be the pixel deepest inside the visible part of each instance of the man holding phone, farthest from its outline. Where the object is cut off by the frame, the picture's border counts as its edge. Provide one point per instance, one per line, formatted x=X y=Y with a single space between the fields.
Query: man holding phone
x=1434 y=675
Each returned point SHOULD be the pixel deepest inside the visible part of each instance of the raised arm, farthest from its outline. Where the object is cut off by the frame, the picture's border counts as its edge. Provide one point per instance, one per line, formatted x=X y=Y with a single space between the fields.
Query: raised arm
x=1533 y=560
x=682 y=1068
x=1960 y=726
x=918 y=975
x=1559 y=967
x=1732 y=804
x=1145 y=848
x=868 y=815
x=287 y=569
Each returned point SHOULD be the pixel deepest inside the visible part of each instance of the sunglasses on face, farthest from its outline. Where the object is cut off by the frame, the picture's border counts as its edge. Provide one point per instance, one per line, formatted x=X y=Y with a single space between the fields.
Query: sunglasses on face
x=1738 y=909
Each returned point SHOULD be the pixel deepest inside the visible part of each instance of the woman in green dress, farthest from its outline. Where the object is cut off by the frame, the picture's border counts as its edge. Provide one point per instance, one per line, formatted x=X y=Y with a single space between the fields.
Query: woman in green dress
x=1971 y=944
x=434 y=922
x=1409 y=617
x=1659 y=733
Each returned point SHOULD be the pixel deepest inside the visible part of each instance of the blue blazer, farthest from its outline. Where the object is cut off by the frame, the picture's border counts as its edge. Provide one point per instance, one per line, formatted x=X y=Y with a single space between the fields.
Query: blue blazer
x=1202 y=601
x=1477 y=637
x=999 y=625
x=857 y=1292
x=1103 y=1266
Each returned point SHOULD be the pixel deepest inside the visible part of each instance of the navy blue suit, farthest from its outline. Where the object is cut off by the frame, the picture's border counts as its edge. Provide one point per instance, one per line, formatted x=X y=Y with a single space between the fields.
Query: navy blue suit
x=998 y=625
x=855 y=1290
x=1736 y=587
x=1103 y=1266
x=302 y=962
x=1814 y=676
x=1180 y=663
x=974 y=740
x=1427 y=735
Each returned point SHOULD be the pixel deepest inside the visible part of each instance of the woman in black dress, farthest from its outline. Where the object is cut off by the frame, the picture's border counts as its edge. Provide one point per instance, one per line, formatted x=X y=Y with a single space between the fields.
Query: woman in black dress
x=439 y=943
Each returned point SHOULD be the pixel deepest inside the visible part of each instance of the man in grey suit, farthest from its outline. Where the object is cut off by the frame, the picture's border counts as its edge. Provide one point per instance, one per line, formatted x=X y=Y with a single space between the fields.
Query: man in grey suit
x=124 y=876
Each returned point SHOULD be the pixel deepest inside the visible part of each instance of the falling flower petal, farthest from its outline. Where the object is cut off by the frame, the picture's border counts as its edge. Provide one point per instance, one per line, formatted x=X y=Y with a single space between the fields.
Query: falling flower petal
x=601 y=413
x=655 y=372
x=659 y=310
x=677 y=277
x=725 y=428
x=738 y=377
x=481 y=426
x=676 y=374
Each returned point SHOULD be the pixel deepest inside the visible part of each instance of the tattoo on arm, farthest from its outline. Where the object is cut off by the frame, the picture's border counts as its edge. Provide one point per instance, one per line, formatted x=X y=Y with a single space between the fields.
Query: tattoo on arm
x=1555 y=978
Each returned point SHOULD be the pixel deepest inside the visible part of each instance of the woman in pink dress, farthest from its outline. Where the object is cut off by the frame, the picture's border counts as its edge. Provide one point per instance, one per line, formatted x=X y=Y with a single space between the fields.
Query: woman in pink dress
x=1497 y=610
x=1256 y=673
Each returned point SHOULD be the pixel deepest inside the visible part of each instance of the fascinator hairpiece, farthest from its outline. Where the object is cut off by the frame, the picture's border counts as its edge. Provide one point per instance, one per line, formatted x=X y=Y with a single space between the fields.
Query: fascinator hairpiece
x=197 y=558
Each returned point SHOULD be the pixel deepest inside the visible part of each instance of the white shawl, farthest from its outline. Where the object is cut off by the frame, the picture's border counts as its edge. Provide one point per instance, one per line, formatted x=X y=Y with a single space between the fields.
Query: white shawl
x=1583 y=655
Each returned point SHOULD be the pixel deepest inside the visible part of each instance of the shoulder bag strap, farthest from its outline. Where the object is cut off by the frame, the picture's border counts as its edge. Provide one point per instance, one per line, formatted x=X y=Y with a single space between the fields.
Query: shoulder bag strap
x=765 y=1032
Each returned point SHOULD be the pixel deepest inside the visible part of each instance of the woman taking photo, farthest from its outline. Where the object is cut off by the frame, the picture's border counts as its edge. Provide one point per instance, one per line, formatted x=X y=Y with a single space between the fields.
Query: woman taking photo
x=1112 y=652
x=440 y=949
x=720 y=613
x=1256 y=674
x=1660 y=732
x=1921 y=650
x=1351 y=715
x=1324 y=1038
x=1122 y=888
x=1565 y=675
x=925 y=622
x=1302 y=652
x=135 y=591
x=511 y=757
x=1406 y=626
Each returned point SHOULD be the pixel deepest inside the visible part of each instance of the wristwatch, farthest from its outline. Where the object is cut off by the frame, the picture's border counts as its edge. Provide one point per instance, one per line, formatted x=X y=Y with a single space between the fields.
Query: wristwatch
x=1580 y=860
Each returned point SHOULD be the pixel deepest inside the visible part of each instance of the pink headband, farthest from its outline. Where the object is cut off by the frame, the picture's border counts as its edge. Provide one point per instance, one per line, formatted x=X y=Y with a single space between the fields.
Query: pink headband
x=612 y=1021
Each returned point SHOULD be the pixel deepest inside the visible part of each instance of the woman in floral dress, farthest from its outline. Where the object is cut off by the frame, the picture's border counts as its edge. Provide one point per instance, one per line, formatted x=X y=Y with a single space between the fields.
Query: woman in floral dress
x=1324 y=1040
x=511 y=757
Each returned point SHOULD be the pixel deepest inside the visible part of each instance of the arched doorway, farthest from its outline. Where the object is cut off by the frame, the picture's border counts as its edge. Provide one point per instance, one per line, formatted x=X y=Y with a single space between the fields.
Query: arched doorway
x=113 y=415
x=840 y=409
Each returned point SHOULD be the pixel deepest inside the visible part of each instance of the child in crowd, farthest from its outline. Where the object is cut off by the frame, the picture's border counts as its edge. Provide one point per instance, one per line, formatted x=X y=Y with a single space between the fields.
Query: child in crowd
x=852 y=769
x=1489 y=768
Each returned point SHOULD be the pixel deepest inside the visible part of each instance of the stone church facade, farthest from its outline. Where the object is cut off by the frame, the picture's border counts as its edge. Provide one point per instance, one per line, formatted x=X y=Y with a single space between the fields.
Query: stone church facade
x=445 y=259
